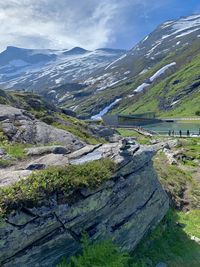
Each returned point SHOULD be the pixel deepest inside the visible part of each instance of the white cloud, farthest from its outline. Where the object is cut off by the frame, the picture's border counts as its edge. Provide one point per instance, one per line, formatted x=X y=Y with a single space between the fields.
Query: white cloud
x=56 y=24
x=67 y=23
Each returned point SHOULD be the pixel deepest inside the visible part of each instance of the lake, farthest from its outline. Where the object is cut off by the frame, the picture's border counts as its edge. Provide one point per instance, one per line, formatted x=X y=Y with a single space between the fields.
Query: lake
x=164 y=127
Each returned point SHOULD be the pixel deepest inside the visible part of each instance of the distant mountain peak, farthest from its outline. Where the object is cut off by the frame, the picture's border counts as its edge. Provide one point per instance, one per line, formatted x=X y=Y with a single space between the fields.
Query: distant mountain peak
x=76 y=50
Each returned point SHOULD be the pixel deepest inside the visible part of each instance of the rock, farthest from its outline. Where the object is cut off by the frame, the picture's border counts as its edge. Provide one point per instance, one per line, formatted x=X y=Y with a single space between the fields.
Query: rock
x=20 y=126
x=9 y=177
x=48 y=161
x=102 y=131
x=170 y=156
x=36 y=166
x=60 y=150
x=38 y=151
x=196 y=239
x=2 y=152
x=68 y=112
x=123 y=208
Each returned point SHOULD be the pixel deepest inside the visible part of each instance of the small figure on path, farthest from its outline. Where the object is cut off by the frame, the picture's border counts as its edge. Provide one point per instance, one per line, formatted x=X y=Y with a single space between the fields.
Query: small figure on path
x=180 y=133
x=173 y=132
x=188 y=133
x=169 y=133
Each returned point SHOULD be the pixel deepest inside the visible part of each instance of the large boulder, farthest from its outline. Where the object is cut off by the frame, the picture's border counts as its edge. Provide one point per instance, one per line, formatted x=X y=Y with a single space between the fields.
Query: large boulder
x=124 y=208
x=20 y=126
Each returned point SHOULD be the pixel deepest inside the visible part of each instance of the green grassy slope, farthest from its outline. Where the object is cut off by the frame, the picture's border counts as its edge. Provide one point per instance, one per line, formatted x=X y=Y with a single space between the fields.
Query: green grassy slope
x=177 y=95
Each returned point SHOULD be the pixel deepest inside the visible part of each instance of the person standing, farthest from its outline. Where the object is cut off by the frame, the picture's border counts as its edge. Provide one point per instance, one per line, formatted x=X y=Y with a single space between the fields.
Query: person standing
x=188 y=133
x=169 y=133
x=180 y=133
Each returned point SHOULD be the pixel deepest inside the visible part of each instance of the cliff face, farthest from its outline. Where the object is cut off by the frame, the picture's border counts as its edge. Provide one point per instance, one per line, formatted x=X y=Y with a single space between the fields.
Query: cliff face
x=123 y=209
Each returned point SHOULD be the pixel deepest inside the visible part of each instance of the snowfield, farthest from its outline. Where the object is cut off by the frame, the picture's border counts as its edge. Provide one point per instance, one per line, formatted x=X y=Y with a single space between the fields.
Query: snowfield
x=154 y=77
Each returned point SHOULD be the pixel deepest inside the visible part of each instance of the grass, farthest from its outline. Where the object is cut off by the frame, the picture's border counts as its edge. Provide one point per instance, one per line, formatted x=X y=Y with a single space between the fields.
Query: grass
x=98 y=254
x=191 y=222
x=159 y=97
x=5 y=163
x=172 y=179
x=169 y=243
x=132 y=133
x=61 y=182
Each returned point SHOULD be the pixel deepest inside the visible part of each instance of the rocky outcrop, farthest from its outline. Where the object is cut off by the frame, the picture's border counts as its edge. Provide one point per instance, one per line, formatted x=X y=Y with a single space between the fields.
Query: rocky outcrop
x=21 y=126
x=124 y=209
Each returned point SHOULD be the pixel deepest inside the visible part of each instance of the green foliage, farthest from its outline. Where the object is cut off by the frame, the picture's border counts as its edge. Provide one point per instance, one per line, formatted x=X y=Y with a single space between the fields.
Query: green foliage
x=182 y=85
x=59 y=182
x=172 y=179
x=4 y=163
x=170 y=243
x=78 y=128
x=98 y=254
x=191 y=222
x=15 y=150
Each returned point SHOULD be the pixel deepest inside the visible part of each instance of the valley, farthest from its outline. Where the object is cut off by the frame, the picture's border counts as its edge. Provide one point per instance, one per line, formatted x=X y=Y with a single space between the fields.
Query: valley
x=76 y=191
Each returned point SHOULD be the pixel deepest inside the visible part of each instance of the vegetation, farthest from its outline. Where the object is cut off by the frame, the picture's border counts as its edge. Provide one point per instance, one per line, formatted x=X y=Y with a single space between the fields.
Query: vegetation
x=59 y=182
x=50 y=114
x=183 y=85
x=103 y=254
x=132 y=133
x=14 y=150
x=78 y=128
x=169 y=243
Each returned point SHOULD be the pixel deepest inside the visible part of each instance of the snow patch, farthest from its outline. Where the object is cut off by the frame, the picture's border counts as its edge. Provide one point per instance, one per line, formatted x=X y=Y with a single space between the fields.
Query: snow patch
x=187 y=32
x=105 y=110
x=115 y=61
x=161 y=71
x=175 y=102
x=141 y=87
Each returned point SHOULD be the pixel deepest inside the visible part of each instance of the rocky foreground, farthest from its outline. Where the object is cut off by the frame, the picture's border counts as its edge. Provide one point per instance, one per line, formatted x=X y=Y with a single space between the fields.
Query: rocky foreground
x=123 y=209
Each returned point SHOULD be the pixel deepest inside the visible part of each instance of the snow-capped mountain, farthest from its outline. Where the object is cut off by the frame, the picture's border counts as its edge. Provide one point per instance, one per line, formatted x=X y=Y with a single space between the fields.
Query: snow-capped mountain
x=169 y=37
x=34 y=69
x=90 y=81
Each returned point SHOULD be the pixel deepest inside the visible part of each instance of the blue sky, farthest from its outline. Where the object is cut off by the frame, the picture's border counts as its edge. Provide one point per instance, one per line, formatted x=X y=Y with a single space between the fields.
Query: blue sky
x=87 y=23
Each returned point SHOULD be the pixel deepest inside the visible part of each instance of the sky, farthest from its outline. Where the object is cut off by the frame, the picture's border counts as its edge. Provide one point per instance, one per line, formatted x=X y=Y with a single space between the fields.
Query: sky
x=91 y=24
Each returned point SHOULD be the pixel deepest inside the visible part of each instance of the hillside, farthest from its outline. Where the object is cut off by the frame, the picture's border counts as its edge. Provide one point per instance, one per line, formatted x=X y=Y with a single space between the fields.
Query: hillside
x=175 y=94
x=169 y=54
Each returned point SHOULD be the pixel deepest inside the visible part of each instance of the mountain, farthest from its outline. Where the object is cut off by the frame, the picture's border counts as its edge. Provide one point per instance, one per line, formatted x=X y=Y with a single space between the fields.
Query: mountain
x=40 y=69
x=93 y=83
x=164 y=55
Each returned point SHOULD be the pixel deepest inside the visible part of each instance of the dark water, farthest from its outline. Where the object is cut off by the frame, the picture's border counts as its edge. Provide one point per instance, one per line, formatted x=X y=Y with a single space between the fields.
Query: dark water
x=164 y=127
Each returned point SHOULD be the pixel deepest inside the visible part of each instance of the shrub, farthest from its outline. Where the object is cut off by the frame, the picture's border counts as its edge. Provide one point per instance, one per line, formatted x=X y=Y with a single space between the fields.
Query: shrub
x=60 y=182
x=98 y=254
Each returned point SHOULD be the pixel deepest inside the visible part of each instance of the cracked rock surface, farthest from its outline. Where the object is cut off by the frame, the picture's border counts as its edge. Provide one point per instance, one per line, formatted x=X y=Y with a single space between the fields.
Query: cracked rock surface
x=123 y=208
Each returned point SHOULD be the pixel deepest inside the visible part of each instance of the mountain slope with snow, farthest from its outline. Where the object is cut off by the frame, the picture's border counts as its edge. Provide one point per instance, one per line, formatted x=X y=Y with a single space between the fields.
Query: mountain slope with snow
x=38 y=69
x=89 y=82
x=164 y=52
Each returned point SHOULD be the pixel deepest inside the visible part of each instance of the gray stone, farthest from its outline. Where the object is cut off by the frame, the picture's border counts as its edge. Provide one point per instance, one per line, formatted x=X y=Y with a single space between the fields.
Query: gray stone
x=38 y=151
x=2 y=152
x=8 y=177
x=21 y=126
x=48 y=161
x=36 y=166
x=124 y=208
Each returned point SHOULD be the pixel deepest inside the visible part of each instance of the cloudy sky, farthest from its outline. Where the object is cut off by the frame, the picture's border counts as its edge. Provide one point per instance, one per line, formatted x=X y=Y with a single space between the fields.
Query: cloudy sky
x=87 y=23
